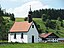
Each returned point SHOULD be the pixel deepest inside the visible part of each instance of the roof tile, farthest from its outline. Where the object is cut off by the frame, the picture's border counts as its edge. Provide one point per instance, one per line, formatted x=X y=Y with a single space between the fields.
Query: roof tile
x=44 y=35
x=20 y=27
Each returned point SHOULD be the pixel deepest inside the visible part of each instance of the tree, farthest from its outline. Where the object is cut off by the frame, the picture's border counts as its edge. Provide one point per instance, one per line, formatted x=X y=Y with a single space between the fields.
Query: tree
x=4 y=28
x=44 y=17
x=50 y=24
x=12 y=17
x=47 y=23
x=53 y=13
x=59 y=19
x=4 y=25
x=62 y=23
x=26 y=19
x=58 y=25
x=46 y=30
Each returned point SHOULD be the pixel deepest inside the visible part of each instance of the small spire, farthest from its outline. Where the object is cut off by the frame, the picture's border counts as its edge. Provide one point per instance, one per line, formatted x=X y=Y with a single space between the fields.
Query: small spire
x=30 y=7
x=30 y=12
x=29 y=15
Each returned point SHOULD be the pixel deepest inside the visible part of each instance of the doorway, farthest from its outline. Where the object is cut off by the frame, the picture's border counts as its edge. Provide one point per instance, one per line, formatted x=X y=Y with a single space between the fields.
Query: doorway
x=32 y=39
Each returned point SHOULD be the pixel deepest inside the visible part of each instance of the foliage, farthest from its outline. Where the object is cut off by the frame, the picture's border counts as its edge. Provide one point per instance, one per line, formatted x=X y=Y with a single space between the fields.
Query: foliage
x=4 y=28
x=58 y=24
x=26 y=19
x=52 y=13
x=45 y=17
x=59 y=19
x=12 y=17
x=49 y=26
x=5 y=25
x=1 y=12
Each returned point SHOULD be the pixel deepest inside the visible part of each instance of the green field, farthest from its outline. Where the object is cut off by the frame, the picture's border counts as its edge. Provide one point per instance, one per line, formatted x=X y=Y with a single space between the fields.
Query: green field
x=19 y=19
x=34 y=45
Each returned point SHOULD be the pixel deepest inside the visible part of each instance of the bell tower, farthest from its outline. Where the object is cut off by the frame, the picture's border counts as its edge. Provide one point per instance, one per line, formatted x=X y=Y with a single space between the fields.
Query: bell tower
x=30 y=15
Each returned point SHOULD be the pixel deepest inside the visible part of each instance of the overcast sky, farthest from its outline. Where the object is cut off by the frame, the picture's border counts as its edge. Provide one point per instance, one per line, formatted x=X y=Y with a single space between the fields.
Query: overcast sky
x=17 y=6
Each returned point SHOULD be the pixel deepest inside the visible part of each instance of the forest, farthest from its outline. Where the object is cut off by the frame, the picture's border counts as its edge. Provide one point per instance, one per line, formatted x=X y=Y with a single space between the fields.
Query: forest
x=51 y=13
x=6 y=21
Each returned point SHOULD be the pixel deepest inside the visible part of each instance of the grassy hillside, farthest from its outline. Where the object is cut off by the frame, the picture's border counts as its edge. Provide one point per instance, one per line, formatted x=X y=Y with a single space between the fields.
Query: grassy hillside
x=43 y=27
x=41 y=23
x=35 y=45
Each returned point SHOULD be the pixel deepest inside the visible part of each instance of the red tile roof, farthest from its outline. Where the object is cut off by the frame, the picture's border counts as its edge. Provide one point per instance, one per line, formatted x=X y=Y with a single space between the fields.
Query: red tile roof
x=44 y=35
x=20 y=27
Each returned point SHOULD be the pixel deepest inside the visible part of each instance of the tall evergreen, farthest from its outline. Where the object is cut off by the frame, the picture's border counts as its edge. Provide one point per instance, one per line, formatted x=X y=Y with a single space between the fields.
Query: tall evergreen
x=53 y=13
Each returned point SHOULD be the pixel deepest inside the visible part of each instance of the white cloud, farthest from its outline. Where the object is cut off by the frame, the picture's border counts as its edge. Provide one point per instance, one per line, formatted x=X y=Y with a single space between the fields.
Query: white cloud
x=13 y=0
x=9 y=0
x=10 y=10
x=23 y=10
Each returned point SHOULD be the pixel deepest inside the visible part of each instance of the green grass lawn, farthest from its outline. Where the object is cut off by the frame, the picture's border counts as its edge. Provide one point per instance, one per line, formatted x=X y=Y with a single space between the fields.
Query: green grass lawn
x=19 y=19
x=34 y=45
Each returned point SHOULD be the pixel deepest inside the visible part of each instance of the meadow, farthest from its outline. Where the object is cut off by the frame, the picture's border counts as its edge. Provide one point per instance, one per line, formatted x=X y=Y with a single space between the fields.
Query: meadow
x=33 y=45
x=19 y=19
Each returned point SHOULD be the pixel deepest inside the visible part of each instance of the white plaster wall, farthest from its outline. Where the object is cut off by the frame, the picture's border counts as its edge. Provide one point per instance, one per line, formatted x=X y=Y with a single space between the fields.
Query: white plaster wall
x=18 y=38
x=9 y=37
x=34 y=32
x=27 y=36
x=60 y=38
x=39 y=39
